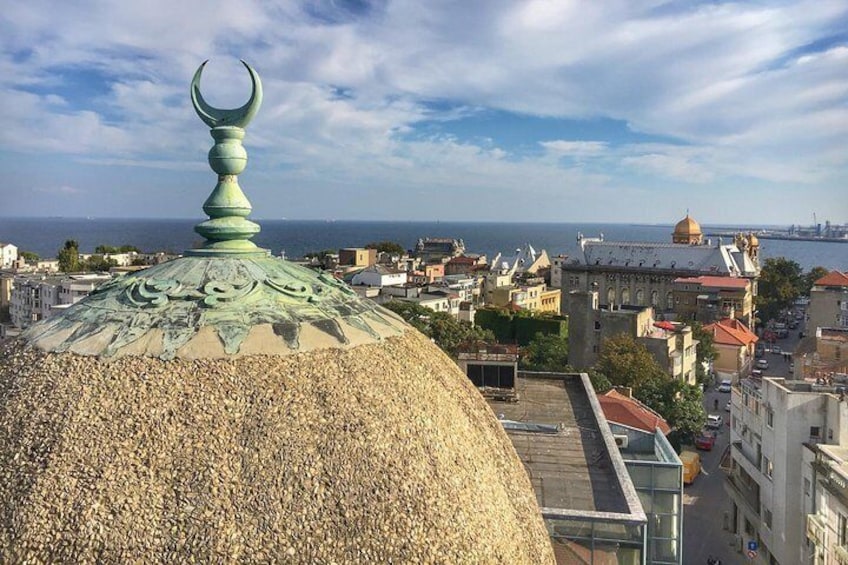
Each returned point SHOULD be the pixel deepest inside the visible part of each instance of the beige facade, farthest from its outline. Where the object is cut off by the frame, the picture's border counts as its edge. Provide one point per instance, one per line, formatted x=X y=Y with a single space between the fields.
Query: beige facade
x=357 y=257
x=708 y=299
x=828 y=306
x=590 y=324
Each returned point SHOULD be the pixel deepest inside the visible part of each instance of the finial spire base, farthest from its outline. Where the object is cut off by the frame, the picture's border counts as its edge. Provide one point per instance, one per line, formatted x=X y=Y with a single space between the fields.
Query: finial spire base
x=227 y=231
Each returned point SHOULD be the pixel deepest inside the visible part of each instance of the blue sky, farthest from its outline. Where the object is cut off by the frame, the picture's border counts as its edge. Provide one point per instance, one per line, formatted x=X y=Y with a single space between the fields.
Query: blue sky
x=615 y=111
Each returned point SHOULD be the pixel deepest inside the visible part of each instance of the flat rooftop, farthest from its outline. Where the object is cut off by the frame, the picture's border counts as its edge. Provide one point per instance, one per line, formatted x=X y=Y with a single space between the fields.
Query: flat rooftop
x=568 y=456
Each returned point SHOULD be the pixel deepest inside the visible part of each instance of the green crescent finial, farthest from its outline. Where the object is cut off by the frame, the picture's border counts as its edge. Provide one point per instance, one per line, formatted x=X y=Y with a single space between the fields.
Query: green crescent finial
x=227 y=231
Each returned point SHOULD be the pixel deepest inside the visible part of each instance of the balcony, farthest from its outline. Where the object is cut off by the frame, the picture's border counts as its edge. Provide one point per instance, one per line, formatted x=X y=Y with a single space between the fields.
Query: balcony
x=748 y=495
x=816 y=529
x=741 y=455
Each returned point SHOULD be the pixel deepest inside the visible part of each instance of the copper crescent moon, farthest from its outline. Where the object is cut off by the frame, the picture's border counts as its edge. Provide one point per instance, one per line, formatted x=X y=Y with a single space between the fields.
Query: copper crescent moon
x=217 y=117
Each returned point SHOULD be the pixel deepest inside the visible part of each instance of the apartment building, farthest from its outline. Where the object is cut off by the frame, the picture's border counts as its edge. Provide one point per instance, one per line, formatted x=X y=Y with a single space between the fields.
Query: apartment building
x=826 y=503
x=829 y=302
x=35 y=298
x=773 y=422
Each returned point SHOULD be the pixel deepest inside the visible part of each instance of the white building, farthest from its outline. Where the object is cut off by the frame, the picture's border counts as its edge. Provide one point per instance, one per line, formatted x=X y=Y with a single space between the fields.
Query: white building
x=380 y=276
x=8 y=255
x=35 y=298
x=773 y=423
x=826 y=503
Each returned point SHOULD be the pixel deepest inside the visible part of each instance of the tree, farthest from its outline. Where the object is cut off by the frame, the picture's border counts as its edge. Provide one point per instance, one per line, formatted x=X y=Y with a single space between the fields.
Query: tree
x=98 y=263
x=627 y=363
x=680 y=404
x=600 y=382
x=29 y=257
x=810 y=278
x=546 y=353
x=390 y=247
x=68 y=257
x=780 y=284
x=445 y=330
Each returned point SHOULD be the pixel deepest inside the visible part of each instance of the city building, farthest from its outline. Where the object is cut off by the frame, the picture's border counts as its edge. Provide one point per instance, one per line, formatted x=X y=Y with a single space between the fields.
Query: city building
x=826 y=503
x=828 y=306
x=532 y=295
x=591 y=509
x=657 y=475
x=823 y=355
x=643 y=273
x=620 y=407
x=465 y=264
x=38 y=297
x=590 y=324
x=357 y=257
x=707 y=299
x=438 y=249
x=379 y=276
x=8 y=255
x=735 y=347
x=773 y=424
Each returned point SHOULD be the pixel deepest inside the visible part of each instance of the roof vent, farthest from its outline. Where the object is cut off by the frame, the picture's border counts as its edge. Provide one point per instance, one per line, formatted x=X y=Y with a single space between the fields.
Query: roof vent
x=621 y=440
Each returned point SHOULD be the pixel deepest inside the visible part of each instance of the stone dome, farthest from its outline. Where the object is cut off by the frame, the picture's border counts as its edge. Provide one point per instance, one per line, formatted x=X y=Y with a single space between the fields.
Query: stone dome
x=688 y=231
x=172 y=416
x=231 y=407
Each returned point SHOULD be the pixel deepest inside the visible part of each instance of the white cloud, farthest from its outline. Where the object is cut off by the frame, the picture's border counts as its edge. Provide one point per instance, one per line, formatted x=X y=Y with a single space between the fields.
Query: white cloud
x=732 y=81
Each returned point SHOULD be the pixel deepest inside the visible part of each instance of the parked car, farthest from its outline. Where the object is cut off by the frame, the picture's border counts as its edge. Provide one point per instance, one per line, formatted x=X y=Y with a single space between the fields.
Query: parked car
x=724 y=386
x=714 y=421
x=762 y=364
x=776 y=349
x=705 y=440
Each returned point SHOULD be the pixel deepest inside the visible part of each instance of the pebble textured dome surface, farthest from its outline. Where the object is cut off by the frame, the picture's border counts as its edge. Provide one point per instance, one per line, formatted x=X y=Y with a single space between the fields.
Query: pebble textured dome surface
x=379 y=453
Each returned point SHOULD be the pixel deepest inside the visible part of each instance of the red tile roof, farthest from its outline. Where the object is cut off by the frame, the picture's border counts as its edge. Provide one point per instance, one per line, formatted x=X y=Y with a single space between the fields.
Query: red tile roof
x=628 y=411
x=715 y=282
x=833 y=278
x=730 y=331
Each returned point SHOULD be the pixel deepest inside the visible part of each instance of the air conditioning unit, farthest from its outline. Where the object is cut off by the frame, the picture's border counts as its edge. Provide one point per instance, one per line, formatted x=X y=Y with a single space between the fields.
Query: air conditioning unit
x=621 y=440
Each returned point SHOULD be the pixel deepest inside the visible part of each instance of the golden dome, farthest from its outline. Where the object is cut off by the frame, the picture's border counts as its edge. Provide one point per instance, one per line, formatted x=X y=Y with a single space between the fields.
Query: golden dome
x=753 y=241
x=687 y=226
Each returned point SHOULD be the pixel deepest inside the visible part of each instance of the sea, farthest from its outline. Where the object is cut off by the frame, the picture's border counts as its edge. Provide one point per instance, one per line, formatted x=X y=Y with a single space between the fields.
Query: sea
x=294 y=238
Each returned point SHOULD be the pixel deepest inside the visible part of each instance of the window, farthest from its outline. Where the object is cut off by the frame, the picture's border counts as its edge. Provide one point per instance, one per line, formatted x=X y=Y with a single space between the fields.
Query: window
x=597 y=325
x=815 y=431
x=610 y=296
x=767 y=517
x=842 y=530
x=768 y=467
x=806 y=486
x=640 y=297
x=625 y=296
x=669 y=301
x=655 y=298
x=770 y=418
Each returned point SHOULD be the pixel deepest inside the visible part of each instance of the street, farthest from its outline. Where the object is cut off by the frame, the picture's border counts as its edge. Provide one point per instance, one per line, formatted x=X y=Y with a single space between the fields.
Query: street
x=705 y=503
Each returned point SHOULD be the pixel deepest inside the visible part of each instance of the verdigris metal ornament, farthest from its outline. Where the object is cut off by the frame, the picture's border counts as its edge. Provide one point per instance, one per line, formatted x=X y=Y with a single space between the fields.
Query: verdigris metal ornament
x=227 y=231
x=228 y=297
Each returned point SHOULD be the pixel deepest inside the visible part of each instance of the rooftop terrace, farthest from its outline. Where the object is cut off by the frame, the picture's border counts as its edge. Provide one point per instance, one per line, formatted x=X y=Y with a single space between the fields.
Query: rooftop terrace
x=570 y=455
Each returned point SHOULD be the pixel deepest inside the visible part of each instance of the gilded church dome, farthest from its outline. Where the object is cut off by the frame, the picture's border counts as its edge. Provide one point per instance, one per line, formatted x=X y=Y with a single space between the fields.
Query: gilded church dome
x=687 y=231
x=753 y=240
x=687 y=226
x=233 y=407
